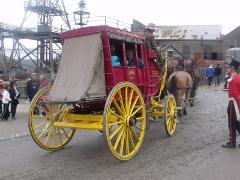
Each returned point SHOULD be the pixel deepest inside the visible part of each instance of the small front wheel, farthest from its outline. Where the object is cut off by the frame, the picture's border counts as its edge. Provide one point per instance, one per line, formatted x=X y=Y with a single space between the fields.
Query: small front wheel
x=170 y=118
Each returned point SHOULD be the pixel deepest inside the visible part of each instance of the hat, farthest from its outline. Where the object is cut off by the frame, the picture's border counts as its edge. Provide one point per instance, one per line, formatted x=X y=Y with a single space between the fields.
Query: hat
x=234 y=64
x=42 y=76
x=148 y=29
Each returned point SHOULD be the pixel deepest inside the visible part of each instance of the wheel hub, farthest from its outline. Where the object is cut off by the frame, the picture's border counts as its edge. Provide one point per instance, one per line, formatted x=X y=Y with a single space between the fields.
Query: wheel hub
x=172 y=114
x=132 y=121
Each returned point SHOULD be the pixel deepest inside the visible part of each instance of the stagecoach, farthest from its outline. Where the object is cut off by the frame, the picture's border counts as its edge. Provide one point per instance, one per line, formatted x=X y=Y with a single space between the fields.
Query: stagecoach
x=90 y=93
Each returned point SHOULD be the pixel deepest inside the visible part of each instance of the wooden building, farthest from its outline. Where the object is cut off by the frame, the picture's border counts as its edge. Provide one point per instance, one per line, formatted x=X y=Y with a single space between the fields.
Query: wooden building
x=193 y=41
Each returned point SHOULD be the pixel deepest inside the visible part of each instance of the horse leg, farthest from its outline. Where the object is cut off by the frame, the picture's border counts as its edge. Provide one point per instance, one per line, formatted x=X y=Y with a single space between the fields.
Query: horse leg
x=180 y=102
x=179 y=113
x=187 y=92
x=184 y=111
x=192 y=96
x=193 y=90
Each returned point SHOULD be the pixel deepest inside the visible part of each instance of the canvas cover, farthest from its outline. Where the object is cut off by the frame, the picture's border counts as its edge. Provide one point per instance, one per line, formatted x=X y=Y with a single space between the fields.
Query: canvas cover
x=81 y=73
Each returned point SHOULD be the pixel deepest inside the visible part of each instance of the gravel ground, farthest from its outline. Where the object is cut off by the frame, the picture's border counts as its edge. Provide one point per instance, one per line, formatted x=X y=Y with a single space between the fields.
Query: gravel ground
x=194 y=152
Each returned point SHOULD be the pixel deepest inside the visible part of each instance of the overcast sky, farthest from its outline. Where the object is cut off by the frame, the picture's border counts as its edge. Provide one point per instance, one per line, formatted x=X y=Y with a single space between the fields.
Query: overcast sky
x=159 y=12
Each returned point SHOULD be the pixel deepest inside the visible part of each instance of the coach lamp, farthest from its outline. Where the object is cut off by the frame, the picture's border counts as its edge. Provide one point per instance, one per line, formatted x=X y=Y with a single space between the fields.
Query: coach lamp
x=81 y=15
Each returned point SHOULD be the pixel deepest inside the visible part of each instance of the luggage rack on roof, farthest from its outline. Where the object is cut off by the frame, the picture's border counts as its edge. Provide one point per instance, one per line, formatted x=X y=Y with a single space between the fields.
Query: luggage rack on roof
x=104 y=20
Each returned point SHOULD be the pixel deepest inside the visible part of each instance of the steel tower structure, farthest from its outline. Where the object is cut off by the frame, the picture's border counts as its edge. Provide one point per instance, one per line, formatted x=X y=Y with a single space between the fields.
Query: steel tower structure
x=46 y=37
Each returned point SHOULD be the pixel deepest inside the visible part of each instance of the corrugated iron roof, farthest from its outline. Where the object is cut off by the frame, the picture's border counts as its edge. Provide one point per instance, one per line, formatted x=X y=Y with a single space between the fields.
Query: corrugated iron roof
x=189 y=32
x=234 y=32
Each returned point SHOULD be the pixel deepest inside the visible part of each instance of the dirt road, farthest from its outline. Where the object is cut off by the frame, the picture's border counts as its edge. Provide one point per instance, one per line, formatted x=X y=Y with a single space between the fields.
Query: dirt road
x=194 y=152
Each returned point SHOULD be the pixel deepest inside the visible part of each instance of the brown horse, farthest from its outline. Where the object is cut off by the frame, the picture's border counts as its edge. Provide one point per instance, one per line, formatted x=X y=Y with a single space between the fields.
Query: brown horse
x=179 y=84
x=195 y=75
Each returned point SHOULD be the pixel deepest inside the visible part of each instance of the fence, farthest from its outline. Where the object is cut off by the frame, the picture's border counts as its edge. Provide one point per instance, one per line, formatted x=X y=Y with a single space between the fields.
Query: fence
x=104 y=20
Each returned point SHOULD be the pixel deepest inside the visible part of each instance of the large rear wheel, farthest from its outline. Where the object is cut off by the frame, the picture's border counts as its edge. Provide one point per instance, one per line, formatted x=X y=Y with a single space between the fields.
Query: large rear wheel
x=41 y=119
x=124 y=120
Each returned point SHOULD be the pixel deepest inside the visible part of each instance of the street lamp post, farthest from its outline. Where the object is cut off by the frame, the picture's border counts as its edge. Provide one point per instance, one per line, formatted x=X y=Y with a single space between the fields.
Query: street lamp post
x=81 y=15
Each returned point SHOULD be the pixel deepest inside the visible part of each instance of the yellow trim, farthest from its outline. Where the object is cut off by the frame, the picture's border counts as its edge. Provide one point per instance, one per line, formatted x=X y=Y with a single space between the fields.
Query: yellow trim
x=86 y=126
x=157 y=114
x=178 y=108
x=163 y=80
x=80 y=117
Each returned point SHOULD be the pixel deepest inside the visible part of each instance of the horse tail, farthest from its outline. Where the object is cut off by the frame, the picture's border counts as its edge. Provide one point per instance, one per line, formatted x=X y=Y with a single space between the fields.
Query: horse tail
x=173 y=86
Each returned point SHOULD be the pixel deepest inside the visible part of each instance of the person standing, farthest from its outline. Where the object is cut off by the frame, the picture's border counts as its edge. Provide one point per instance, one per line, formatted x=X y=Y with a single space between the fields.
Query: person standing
x=5 y=101
x=180 y=65
x=33 y=86
x=43 y=81
x=227 y=77
x=12 y=79
x=14 y=95
x=1 y=92
x=234 y=104
x=210 y=75
x=218 y=72
x=150 y=40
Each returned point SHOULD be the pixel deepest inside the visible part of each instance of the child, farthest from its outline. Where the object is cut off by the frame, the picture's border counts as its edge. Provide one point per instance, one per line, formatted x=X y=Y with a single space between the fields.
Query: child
x=5 y=101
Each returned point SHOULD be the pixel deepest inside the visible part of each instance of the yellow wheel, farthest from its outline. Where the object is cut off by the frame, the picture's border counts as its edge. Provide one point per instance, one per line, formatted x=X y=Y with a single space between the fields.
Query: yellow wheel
x=41 y=118
x=170 y=120
x=124 y=120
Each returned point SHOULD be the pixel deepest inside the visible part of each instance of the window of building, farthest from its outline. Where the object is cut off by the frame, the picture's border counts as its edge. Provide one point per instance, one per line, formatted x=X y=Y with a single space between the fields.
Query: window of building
x=207 y=49
x=186 y=51
x=214 y=56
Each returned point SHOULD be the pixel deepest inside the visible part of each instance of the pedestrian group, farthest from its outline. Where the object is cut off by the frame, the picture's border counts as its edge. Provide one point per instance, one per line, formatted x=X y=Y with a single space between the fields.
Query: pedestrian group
x=213 y=73
x=10 y=94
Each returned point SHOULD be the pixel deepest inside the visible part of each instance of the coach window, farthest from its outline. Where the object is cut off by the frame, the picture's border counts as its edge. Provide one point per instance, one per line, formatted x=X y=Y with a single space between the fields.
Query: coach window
x=130 y=54
x=116 y=52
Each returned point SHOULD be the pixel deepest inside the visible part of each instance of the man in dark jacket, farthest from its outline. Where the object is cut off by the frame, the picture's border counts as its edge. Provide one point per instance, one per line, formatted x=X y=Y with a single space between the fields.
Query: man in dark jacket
x=150 y=40
x=32 y=86
x=218 y=72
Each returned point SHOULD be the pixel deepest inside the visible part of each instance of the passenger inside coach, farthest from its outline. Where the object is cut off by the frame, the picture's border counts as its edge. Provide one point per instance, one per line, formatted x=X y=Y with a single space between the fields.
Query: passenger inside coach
x=131 y=60
x=115 y=58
